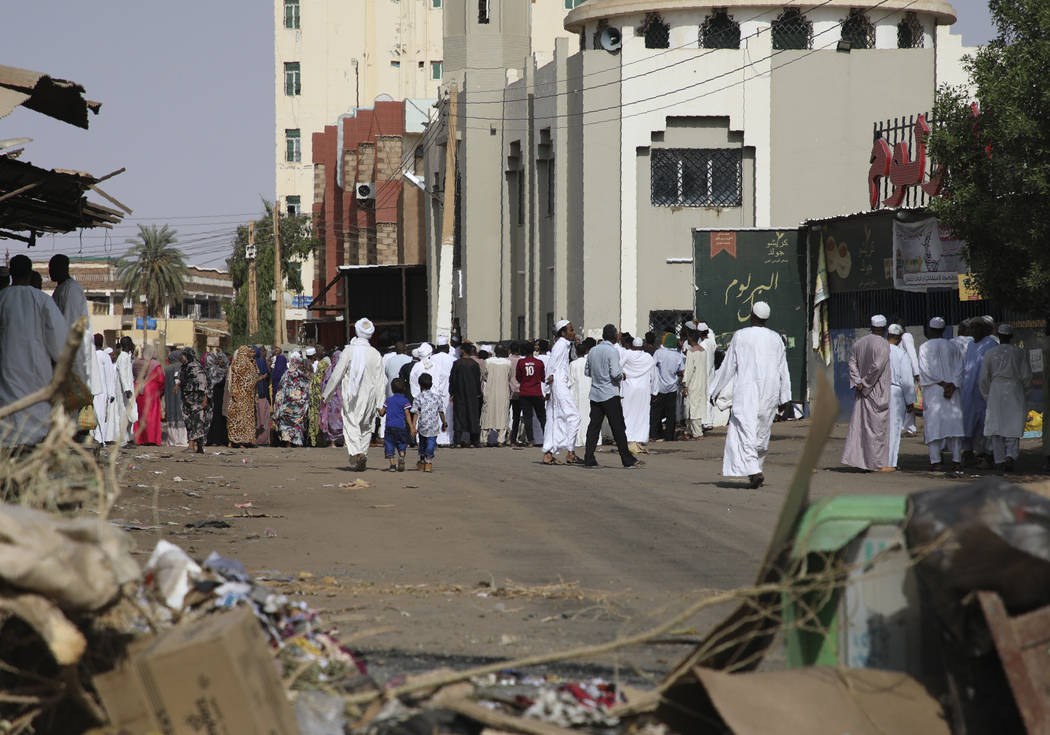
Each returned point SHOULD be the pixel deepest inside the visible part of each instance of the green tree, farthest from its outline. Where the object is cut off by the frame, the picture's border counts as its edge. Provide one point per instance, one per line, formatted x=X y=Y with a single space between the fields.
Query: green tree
x=297 y=242
x=153 y=268
x=998 y=163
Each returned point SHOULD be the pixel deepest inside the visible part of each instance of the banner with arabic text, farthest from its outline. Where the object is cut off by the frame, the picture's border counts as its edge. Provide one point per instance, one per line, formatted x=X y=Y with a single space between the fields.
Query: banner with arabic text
x=735 y=268
x=925 y=256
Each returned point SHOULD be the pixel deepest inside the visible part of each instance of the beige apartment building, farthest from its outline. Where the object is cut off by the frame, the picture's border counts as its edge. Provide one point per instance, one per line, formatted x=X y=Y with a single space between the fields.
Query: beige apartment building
x=332 y=57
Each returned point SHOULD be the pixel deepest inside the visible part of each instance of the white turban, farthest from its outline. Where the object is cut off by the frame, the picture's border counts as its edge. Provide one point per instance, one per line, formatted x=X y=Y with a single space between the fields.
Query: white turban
x=638 y=342
x=364 y=327
x=690 y=325
x=760 y=309
x=442 y=340
x=702 y=327
x=937 y=323
x=896 y=329
x=878 y=321
x=425 y=350
x=1005 y=329
x=415 y=353
x=108 y=350
x=310 y=351
x=560 y=325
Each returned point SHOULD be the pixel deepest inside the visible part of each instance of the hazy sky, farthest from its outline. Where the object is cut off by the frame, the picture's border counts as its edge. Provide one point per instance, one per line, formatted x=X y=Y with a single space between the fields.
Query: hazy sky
x=187 y=106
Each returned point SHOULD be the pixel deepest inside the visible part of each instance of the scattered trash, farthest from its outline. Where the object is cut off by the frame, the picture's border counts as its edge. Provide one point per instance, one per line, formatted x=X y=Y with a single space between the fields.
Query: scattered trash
x=270 y=533
x=208 y=524
x=382 y=507
x=246 y=460
x=192 y=493
x=172 y=573
x=356 y=484
x=243 y=505
x=176 y=479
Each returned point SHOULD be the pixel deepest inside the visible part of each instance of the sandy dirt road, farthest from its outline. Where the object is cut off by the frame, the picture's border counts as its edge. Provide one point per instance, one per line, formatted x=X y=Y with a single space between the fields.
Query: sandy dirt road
x=494 y=554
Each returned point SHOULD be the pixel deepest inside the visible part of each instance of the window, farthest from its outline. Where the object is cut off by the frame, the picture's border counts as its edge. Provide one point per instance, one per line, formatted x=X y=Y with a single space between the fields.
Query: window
x=293 y=85
x=521 y=196
x=291 y=14
x=857 y=30
x=435 y=70
x=294 y=205
x=792 y=31
x=483 y=11
x=720 y=31
x=292 y=150
x=696 y=177
x=570 y=4
x=657 y=33
x=909 y=32
x=436 y=3
x=551 y=188
x=395 y=64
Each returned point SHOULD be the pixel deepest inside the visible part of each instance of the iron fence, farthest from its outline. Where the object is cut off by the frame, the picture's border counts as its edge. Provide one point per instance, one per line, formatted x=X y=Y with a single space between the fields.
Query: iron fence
x=902 y=130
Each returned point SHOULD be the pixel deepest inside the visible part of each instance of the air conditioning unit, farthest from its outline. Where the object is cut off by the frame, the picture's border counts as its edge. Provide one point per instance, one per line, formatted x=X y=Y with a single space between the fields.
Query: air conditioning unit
x=365 y=190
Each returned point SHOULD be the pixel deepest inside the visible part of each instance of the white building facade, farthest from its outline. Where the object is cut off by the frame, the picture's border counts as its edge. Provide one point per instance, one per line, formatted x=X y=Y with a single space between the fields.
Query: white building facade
x=662 y=117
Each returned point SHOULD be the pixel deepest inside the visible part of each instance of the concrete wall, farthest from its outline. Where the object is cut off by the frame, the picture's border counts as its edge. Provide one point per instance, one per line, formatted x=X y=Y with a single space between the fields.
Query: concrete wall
x=822 y=109
x=667 y=232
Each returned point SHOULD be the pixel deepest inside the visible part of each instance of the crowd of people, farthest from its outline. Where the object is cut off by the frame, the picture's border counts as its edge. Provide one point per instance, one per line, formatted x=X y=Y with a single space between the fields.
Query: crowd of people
x=562 y=394
x=973 y=390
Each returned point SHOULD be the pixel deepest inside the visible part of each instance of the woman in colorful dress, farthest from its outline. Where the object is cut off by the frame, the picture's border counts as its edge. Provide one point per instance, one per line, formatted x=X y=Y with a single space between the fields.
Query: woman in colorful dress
x=196 y=407
x=241 y=397
x=316 y=386
x=292 y=402
x=332 y=409
x=150 y=390
x=216 y=365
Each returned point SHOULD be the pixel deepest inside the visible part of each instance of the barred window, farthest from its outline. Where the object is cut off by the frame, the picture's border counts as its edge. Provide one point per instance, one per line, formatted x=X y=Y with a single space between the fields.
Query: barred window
x=720 y=31
x=292 y=79
x=909 y=31
x=292 y=149
x=291 y=14
x=858 y=30
x=792 y=31
x=657 y=33
x=696 y=177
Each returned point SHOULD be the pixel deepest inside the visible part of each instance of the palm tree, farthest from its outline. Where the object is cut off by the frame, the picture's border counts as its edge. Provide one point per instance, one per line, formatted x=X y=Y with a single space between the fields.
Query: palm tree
x=153 y=268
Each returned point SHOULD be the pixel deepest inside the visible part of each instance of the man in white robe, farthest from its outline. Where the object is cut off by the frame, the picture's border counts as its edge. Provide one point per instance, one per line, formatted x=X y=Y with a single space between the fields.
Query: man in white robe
x=940 y=375
x=694 y=390
x=902 y=392
x=1006 y=378
x=495 y=410
x=423 y=364
x=908 y=345
x=869 y=376
x=443 y=360
x=32 y=334
x=359 y=376
x=563 y=418
x=580 y=385
x=127 y=406
x=70 y=299
x=637 y=390
x=756 y=367
x=106 y=398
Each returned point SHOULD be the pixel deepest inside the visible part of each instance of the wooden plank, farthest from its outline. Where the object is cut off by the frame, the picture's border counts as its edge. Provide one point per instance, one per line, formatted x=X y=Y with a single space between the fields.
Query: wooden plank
x=1030 y=704
x=20 y=190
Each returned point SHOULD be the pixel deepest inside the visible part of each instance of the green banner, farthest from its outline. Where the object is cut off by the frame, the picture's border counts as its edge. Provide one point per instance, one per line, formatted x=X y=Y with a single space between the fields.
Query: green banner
x=735 y=268
x=858 y=251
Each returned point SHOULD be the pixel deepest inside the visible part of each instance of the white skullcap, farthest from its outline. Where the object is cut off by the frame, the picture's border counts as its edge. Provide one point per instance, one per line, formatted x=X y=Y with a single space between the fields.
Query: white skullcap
x=560 y=324
x=760 y=309
x=297 y=353
x=425 y=350
x=690 y=325
x=415 y=354
x=108 y=350
x=364 y=327
x=896 y=329
x=878 y=321
x=310 y=351
x=638 y=342
x=702 y=327
x=988 y=318
x=937 y=323
x=442 y=340
x=1005 y=329
x=487 y=348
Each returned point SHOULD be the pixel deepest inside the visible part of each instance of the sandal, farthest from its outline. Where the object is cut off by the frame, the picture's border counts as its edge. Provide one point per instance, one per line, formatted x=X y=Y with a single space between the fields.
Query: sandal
x=574 y=460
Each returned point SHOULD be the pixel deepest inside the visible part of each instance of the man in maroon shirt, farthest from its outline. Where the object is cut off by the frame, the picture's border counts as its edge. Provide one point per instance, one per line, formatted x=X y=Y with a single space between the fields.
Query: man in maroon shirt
x=531 y=374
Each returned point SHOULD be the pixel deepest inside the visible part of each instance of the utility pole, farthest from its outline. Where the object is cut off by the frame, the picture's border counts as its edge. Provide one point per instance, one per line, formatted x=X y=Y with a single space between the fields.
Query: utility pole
x=443 y=322
x=279 y=335
x=253 y=289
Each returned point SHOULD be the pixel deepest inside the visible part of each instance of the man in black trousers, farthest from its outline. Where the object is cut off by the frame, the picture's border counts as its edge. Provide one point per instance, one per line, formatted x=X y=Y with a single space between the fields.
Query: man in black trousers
x=603 y=367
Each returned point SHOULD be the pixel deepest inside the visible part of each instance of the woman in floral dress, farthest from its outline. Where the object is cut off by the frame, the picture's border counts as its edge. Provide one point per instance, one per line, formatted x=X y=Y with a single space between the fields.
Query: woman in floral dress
x=332 y=409
x=197 y=409
x=316 y=385
x=292 y=402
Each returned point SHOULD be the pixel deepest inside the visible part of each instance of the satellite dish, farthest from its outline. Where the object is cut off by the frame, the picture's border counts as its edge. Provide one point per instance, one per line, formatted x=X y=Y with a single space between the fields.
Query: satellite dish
x=610 y=40
x=384 y=97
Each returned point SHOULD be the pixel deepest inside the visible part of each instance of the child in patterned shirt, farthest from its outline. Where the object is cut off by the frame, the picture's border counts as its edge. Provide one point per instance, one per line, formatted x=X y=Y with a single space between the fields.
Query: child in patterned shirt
x=428 y=419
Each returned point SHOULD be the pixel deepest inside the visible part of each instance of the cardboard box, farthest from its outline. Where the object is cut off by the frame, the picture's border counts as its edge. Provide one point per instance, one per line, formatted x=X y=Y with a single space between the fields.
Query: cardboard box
x=215 y=675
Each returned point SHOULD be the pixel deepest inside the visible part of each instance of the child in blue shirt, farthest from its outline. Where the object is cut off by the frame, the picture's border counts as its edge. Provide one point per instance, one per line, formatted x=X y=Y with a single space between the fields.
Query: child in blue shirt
x=395 y=438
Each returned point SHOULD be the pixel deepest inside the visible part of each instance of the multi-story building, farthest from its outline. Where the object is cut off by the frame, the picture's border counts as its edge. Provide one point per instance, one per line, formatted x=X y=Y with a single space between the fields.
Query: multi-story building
x=659 y=119
x=332 y=57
